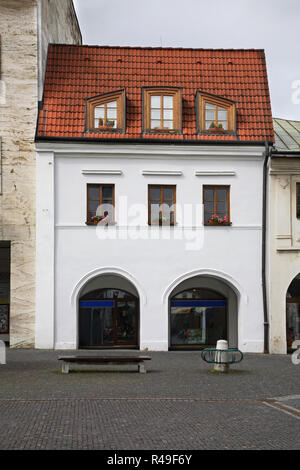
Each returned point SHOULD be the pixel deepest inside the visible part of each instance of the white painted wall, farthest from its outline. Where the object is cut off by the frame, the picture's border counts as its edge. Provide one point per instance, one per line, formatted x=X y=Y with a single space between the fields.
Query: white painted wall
x=155 y=267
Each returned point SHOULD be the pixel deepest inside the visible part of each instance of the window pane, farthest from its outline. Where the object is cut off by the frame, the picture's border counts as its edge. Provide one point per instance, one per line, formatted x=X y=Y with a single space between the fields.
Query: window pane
x=107 y=192
x=221 y=206
x=154 y=124
x=207 y=216
x=222 y=115
x=209 y=106
x=155 y=193
x=93 y=206
x=99 y=112
x=112 y=104
x=224 y=124
x=155 y=213
x=107 y=207
x=209 y=207
x=222 y=194
x=208 y=194
x=168 y=124
x=292 y=323
x=168 y=194
x=168 y=114
x=155 y=101
x=209 y=115
x=168 y=101
x=208 y=124
x=155 y=114
x=94 y=193
x=111 y=123
x=111 y=113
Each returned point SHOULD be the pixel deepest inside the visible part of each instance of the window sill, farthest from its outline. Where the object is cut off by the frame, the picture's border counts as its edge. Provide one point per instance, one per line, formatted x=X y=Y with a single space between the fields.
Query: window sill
x=217 y=132
x=162 y=131
x=95 y=225
x=162 y=225
x=105 y=130
x=215 y=224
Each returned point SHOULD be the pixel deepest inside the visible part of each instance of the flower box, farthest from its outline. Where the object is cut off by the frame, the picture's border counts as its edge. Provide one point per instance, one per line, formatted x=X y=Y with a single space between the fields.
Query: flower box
x=216 y=220
x=216 y=130
x=95 y=219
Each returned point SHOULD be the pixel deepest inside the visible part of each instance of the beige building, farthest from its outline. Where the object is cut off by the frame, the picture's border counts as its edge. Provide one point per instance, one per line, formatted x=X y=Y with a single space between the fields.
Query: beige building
x=27 y=27
x=284 y=237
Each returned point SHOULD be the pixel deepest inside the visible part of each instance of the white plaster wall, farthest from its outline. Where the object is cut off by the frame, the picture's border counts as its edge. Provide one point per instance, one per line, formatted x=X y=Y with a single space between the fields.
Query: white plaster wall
x=232 y=253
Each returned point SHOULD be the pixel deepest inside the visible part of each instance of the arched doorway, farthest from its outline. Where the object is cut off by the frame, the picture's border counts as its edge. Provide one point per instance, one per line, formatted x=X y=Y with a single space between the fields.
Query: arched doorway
x=108 y=316
x=293 y=313
x=202 y=310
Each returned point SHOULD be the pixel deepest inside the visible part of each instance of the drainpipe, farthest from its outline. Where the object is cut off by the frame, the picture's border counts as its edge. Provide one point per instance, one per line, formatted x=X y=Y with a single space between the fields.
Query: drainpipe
x=267 y=155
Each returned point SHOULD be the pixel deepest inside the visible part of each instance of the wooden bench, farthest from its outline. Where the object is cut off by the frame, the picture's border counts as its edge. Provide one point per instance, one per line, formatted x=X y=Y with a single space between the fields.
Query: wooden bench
x=95 y=360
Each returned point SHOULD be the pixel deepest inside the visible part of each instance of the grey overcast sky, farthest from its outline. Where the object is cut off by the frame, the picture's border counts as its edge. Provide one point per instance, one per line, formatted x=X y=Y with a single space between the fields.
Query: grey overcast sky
x=272 y=25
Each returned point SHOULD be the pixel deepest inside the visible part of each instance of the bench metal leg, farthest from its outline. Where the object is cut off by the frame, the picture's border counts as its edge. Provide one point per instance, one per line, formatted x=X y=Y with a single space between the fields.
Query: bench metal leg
x=142 y=369
x=65 y=367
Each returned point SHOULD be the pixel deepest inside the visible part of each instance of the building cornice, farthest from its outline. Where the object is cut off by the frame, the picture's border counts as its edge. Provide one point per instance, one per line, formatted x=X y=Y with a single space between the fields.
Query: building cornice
x=141 y=151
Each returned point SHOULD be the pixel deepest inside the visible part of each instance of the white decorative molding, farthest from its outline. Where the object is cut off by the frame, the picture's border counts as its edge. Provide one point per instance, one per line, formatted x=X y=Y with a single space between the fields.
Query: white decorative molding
x=102 y=172
x=103 y=271
x=120 y=150
x=284 y=237
x=215 y=173
x=162 y=172
x=221 y=275
x=288 y=249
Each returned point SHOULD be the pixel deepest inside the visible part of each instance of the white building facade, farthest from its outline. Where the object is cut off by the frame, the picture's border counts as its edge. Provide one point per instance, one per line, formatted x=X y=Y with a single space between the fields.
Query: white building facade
x=150 y=176
x=151 y=263
x=284 y=238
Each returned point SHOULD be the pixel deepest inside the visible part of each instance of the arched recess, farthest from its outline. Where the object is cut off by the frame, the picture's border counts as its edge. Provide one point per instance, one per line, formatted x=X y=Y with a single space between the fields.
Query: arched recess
x=293 y=313
x=108 y=310
x=202 y=308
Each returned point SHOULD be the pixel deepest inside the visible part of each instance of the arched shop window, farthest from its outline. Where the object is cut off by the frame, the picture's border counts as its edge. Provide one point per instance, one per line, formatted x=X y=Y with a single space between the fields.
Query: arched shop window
x=198 y=318
x=293 y=313
x=108 y=318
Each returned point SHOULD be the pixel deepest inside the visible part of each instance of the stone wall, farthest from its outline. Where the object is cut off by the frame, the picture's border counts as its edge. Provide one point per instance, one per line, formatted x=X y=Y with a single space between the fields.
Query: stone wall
x=58 y=24
x=18 y=111
x=21 y=21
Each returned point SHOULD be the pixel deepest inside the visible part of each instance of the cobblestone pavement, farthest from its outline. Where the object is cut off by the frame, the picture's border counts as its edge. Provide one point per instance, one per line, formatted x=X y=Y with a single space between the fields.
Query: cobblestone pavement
x=179 y=404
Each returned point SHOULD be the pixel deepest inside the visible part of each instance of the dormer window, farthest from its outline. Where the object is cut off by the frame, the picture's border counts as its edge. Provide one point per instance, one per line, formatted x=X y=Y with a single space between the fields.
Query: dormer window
x=162 y=110
x=216 y=115
x=106 y=112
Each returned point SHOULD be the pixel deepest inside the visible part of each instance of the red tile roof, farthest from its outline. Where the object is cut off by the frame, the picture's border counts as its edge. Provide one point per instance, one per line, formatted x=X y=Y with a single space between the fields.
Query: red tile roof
x=75 y=73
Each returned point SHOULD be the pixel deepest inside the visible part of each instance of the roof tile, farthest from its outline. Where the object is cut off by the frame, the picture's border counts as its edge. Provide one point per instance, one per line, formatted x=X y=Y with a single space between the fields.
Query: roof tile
x=75 y=73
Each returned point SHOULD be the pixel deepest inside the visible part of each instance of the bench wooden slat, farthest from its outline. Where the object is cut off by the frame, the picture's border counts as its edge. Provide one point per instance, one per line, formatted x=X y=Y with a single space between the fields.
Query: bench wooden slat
x=104 y=358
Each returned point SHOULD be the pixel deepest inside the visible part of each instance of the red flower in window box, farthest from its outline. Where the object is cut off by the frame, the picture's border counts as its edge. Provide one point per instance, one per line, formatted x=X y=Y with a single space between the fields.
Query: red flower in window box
x=95 y=219
x=216 y=220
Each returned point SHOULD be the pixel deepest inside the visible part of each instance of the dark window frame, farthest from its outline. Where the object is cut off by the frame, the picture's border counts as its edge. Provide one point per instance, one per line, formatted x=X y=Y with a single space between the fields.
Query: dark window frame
x=176 y=92
x=215 y=187
x=161 y=186
x=203 y=98
x=100 y=186
x=102 y=99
